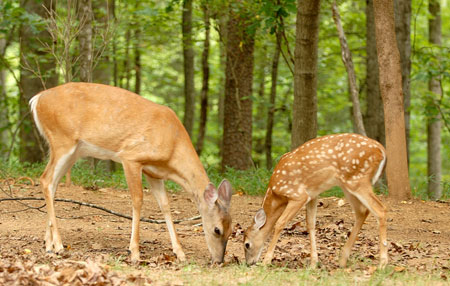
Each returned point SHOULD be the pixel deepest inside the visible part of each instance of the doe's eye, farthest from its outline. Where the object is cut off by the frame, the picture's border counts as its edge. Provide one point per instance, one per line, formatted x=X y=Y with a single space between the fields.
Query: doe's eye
x=217 y=230
x=247 y=245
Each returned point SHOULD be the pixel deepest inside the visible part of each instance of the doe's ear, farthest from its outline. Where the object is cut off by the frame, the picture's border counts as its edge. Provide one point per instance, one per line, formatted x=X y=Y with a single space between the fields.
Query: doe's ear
x=210 y=195
x=225 y=192
x=260 y=219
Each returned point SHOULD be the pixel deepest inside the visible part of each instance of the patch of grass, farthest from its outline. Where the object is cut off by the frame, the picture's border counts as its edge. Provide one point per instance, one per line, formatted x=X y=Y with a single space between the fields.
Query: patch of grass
x=234 y=274
x=250 y=182
x=87 y=176
x=16 y=169
x=419 y=188
x=333 y=192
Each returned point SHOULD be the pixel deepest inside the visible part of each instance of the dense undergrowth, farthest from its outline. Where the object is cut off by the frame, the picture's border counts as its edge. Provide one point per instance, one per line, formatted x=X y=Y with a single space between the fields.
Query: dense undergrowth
x=250 y=182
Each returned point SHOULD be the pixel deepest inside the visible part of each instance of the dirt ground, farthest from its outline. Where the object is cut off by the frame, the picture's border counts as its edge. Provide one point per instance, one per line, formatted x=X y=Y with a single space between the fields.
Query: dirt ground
x=418 y=231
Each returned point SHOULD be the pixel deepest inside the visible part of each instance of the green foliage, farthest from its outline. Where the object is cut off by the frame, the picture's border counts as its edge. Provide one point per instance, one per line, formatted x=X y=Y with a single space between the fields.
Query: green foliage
x=15 y=169
x=437 y=61
x=273 y=11
x=12 y=15
x=252 y=182
x=249 y=182
x=159 y=42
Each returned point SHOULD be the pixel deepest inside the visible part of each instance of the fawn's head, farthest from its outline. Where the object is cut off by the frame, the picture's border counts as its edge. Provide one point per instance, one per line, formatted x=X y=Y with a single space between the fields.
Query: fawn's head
x=254 y=238
x=216 y=219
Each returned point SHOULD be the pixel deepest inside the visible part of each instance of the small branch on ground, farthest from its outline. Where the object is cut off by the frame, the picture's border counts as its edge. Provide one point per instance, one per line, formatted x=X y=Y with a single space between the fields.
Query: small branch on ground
x=156 y=221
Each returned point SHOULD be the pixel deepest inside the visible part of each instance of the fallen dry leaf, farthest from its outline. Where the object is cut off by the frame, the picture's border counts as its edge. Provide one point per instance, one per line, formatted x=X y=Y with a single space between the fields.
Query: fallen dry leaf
x=399 y=268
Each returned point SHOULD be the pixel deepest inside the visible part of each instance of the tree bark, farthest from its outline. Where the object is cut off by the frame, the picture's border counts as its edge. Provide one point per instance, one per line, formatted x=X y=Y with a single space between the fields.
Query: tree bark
x=434 y=123
x=126 y=73
x=374 y=117
x=237 y=136
x=104 y=68
x=271 y=109
x=222 y=21
x=4 y=116
x=137 y=61
x=137 y=55
x=348 y=62
x=402 y=10
x=259 y=119
x=391 y=92
x=103 y=71
x=85 y=38
x=304 y=113
x=37 y=72
x=205 y=83
x=112 y=12
x=188 y=56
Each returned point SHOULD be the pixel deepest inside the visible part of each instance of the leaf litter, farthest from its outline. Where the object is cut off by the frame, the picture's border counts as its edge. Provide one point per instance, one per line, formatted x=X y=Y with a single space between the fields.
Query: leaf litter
x=418 y=235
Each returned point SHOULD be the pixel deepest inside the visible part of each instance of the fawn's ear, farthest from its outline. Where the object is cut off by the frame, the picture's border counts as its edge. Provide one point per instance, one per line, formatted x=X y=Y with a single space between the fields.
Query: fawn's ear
x=225 y=192
x=260 y=219
x=210 y=195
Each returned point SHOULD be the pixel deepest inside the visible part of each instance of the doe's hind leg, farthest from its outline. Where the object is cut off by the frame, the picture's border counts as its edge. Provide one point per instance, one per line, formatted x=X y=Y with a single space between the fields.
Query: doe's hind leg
x=61 y=160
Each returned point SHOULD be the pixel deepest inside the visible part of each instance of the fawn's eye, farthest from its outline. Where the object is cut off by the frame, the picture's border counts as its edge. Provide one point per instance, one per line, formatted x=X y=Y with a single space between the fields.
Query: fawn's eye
x=247 y=245
x=217 y=230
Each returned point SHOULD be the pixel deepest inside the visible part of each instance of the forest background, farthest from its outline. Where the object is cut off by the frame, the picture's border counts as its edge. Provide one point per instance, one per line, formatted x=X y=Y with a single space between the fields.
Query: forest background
x=176 y=52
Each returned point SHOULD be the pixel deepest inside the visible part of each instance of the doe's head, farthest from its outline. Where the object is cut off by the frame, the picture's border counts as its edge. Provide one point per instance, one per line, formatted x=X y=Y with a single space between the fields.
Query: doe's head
x=216 y=219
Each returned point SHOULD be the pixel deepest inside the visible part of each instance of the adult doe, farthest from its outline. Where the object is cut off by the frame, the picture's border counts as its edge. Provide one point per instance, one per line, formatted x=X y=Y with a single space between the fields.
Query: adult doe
x=105 y=122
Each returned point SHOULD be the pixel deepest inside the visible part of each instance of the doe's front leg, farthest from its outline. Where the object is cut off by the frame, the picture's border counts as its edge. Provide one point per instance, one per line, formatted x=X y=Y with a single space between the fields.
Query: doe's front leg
x=133 y=174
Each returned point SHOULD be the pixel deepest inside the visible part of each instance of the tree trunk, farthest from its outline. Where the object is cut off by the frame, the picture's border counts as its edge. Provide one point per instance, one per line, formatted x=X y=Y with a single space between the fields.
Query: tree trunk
x=348 y=62
x=4 y=117
x=237 y=135
x=85 y=38
x=374 y=117
x=137 y=61
x=112 y=12
x=391 y=92
x=104 y=68
x=126 y=73
x=205 y=83
x=222 y=21
x=188 y=56
x=37 y=72
x=259 y=120
x=271 y=109
x=304 y=113
x=434 y=123
x=261 y=106
x=402 y=10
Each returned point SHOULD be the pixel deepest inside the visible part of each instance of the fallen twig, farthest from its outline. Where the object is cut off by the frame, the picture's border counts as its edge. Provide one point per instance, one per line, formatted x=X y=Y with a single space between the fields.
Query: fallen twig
x=156 y=221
